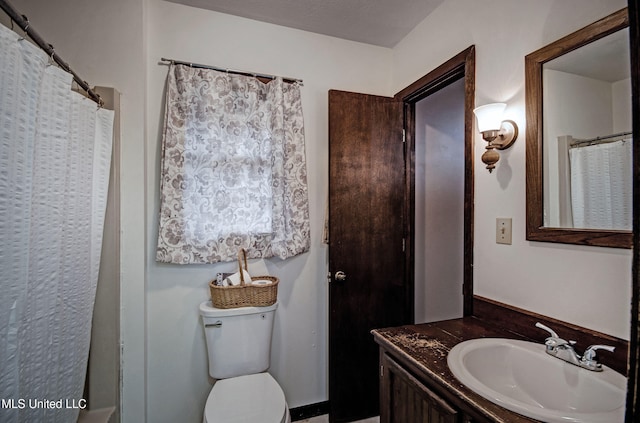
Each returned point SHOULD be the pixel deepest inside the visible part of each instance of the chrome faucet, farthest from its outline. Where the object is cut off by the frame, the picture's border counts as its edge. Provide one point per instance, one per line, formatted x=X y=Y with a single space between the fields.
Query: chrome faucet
x=563 y=350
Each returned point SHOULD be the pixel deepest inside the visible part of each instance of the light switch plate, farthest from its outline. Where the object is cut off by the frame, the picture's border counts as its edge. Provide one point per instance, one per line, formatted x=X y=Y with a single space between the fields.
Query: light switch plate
x=503 y=230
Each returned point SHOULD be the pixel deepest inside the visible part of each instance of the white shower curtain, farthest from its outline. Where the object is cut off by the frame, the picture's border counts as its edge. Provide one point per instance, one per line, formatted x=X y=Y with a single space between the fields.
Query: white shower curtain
x=601 y=185
x=55 y=151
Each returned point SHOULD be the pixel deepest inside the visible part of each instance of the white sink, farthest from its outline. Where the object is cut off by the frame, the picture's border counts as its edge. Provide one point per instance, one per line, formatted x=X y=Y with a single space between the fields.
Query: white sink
x=520 y=376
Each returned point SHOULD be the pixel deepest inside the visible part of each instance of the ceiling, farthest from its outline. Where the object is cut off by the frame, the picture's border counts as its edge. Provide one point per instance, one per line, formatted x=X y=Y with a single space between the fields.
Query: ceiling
x=379 y=22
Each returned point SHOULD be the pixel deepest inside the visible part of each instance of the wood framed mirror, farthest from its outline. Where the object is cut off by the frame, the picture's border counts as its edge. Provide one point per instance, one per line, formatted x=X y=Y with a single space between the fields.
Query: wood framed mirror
x=558 y=121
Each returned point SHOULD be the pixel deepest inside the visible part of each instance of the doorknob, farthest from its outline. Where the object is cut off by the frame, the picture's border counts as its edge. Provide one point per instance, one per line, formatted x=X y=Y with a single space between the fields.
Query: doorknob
x=340 y=276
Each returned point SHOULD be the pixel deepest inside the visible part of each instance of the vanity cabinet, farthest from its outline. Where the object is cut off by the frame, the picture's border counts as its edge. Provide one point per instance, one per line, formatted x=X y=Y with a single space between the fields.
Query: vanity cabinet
x=404 y=398
x=417 y=386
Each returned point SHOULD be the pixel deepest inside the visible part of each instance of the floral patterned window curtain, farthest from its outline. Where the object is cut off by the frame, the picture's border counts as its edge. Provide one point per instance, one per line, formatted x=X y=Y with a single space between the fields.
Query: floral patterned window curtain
x=233 y=168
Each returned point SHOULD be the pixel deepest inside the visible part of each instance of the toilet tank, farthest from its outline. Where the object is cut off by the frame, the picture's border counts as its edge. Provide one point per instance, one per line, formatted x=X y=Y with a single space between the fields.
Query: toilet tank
x=238 y=339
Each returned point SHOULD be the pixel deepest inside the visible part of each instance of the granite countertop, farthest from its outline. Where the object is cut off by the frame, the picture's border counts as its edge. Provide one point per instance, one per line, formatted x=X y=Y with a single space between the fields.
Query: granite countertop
x=425 y=347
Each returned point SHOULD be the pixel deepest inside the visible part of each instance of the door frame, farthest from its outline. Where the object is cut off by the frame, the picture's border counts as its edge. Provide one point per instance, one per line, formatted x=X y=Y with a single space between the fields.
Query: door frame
x=461 y=66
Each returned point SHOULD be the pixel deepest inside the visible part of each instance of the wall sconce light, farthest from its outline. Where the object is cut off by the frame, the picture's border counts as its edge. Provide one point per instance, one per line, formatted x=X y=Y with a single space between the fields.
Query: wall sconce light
x=499 y=134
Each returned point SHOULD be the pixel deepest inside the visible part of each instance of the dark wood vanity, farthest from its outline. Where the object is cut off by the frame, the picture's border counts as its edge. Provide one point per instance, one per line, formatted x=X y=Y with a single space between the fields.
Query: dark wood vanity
x=416 y=384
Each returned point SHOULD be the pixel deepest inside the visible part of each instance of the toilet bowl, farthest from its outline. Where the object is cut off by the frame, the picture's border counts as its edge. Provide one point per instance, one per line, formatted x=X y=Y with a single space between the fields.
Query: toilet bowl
x=253 y=398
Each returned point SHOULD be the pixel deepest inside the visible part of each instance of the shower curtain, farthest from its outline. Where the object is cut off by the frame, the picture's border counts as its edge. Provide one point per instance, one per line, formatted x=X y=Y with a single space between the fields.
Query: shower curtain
x=55 y=152
x=601 y=185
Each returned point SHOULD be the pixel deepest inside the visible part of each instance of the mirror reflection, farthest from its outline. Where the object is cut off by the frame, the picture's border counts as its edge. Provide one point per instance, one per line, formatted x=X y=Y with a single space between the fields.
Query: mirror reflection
x=587 y=140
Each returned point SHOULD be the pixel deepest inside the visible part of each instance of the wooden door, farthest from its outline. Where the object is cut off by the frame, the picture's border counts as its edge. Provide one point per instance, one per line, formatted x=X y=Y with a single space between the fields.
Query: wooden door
x=366 y=243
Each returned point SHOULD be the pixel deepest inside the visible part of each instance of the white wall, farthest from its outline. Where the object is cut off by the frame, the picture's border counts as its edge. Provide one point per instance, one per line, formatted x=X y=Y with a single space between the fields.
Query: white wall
x=176 y=362
x=576 y=105
x=439 y=205
x=587 y=286
x=622 y=115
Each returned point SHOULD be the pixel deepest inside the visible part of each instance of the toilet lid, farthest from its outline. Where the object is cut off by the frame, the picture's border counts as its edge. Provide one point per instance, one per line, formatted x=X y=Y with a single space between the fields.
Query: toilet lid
x=246 y=399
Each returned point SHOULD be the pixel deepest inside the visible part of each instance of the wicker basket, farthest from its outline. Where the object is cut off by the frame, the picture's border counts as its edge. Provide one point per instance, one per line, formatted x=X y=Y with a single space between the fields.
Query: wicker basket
x=245 y=295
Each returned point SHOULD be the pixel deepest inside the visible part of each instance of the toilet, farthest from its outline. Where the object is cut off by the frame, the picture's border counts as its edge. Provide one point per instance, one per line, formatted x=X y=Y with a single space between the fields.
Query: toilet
x=239 y=352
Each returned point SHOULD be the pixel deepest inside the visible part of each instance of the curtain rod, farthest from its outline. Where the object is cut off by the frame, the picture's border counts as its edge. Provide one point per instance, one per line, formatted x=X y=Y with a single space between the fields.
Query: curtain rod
x=23 y=23
x=598 y=140
x=238 y=72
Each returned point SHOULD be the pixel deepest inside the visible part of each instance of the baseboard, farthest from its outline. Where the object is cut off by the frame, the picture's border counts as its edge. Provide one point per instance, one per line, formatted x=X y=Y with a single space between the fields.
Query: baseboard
x=308 y=411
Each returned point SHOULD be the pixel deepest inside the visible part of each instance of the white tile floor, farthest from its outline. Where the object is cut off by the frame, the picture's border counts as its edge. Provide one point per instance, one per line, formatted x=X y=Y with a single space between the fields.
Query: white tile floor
x=325 y=419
